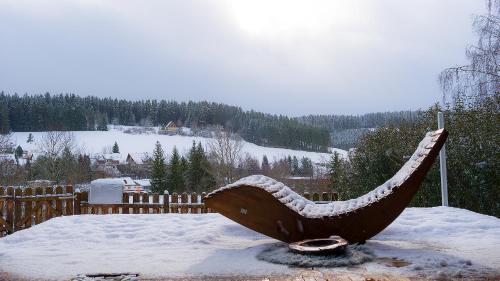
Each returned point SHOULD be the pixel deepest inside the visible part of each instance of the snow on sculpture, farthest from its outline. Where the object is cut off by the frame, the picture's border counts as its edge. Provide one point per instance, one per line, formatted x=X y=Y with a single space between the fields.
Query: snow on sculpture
x=269 y=207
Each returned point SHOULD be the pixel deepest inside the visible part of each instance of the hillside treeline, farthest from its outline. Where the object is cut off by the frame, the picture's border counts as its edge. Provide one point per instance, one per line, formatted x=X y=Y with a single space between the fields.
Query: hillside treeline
x=72 y=112
x=369 y=120
x=345 y=130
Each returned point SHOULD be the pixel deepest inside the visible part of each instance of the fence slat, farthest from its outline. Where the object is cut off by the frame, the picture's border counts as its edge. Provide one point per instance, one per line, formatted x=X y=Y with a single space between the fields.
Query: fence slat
x=315 y=197
x=38 y=206
x=18 y=210
x=166 y=202
x=85 y=198
x=156 y=200
x=77 y=204
x=59 y=202
x=125 y=197
x=137 y=199
x=70 y=208
x=184 y=199
x=194 y=199
x=335 y=196
x=48 y=204
x=175 y=200
x=145 y=200
x=28 y=208
x=203 y=209
x=10 y=208
x=325 y=196
x=307 y=195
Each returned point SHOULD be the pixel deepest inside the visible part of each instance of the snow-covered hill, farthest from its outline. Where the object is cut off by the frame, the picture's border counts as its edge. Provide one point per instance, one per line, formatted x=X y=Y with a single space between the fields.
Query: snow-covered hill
x=93 y=142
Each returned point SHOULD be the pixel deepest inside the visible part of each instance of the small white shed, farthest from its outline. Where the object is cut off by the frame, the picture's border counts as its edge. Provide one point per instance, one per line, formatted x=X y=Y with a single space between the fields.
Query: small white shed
x=106 y=191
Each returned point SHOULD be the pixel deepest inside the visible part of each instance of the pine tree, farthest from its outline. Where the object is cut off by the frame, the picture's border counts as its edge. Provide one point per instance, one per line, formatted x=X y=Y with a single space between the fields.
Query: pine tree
x=295 y=166
x=334 y=169
x=175 y=177
x=198 y=175
x=30 y=138
x=18 y=153
x=265 y=167
x=159 y=172
x=116 y=149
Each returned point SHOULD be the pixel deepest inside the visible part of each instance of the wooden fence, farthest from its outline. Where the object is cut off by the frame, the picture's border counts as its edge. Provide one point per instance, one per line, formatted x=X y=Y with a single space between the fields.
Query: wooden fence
x=22 y=208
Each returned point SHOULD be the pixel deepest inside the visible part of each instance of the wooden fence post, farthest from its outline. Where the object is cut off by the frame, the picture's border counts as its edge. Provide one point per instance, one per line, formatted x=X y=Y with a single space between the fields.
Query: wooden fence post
x=136 y=199
x=145 y=200
x=202 y=199
x=184 y=201
x=10 y=209
x=307 y=195
x=194 y=200
x=315 y=197
x=77 y=204
x=125 y=200
x=18 y=210
x=156 y=200
x=28 y=208
x=325 y=196
x=166 y=202
x=59 y=207
x=335 y=196
x=70 y=203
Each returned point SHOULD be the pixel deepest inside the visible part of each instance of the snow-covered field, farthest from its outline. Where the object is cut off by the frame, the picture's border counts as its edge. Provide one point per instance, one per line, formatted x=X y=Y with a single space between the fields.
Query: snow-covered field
x=93 y=142
x=435 y=242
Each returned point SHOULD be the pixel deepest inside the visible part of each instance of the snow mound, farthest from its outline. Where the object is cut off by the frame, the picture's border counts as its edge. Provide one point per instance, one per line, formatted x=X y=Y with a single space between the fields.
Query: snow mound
x=310 y=209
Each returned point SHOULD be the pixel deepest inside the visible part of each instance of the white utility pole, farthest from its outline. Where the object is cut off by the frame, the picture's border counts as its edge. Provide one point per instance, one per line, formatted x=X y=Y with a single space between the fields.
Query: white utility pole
x=442 y=165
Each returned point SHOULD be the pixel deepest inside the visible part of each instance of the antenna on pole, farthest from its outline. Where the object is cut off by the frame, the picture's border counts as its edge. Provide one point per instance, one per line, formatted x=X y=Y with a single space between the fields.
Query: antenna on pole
x=442 y=165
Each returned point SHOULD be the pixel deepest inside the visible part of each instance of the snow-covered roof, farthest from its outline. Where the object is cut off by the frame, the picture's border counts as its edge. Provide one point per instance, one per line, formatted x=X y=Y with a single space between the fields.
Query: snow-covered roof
x=143 y=182
x=125 y=181
x=310 y=209
x=138 y=157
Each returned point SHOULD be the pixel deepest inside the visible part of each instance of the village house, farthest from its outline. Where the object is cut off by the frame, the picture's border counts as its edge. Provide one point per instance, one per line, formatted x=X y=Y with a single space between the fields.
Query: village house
x=169 y=129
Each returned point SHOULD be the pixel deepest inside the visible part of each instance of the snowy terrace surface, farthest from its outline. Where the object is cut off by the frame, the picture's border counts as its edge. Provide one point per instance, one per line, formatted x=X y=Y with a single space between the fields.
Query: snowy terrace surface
x=310 y=209
x=436 y=242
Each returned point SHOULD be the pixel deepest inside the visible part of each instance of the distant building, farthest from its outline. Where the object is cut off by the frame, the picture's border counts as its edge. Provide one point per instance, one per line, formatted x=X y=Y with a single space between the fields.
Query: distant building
x=106 y=165
x=169 y=129
x=137 y=159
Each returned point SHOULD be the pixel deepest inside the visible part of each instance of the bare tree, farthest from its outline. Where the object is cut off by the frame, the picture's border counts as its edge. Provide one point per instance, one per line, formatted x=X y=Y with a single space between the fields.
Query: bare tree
x=53 y=143
x=5 y=143
x=482 y=75
x=225 y=151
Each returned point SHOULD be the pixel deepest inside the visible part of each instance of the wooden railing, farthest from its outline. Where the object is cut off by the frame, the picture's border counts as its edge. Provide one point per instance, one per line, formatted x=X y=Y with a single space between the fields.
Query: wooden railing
x=22 y=208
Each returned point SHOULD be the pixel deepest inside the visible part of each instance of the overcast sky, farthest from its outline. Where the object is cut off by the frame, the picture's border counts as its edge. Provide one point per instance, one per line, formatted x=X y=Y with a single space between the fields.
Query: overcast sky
x=287 y=57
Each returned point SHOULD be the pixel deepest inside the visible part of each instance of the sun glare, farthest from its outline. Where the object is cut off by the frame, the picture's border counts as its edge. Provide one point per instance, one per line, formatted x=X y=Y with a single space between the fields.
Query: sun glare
x=290 y=17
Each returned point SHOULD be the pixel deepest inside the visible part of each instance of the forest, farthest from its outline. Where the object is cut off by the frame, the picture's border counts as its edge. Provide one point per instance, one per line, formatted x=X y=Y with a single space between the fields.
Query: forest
x=70 y=112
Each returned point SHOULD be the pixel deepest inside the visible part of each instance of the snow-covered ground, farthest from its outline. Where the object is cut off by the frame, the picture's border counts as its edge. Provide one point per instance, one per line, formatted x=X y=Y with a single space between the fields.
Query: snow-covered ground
x=436 y=242
x=93 y=142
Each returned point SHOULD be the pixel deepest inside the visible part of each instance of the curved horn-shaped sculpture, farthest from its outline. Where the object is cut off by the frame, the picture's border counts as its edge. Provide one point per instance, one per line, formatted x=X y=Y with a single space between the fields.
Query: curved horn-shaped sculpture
x=269 y=207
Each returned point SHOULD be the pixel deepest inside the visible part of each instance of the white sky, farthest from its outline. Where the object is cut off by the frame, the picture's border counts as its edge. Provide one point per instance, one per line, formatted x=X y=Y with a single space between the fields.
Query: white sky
x=284 y=56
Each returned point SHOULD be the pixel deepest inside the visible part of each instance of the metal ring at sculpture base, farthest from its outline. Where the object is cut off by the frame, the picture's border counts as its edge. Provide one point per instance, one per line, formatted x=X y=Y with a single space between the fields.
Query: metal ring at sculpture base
x=322 y=246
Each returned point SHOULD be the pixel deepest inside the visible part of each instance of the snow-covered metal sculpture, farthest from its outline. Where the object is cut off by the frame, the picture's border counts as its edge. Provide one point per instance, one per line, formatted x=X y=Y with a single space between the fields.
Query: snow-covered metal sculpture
x=271 y=208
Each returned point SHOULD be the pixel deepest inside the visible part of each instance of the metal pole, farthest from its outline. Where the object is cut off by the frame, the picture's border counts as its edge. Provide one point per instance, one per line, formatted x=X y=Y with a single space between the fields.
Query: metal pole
x=442 y=165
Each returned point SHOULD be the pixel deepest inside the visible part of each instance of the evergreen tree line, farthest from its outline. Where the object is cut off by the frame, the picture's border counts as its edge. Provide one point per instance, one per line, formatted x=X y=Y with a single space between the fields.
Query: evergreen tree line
x=72 y=112
x=191 y=174
x=369 y=120
x=345 y=130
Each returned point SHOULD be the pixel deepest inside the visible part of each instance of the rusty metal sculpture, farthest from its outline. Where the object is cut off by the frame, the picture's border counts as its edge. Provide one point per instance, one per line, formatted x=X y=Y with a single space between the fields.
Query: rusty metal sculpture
x=267 y=206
